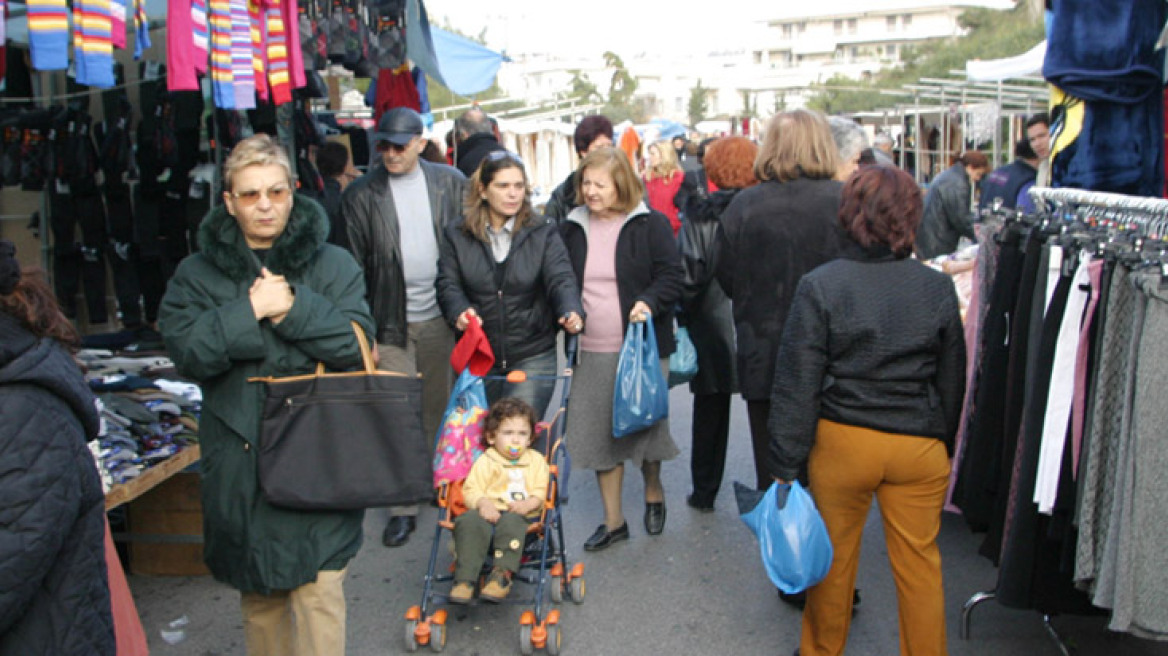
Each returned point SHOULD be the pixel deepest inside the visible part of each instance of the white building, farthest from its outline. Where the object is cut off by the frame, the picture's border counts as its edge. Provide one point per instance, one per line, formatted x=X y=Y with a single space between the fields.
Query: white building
x=780 y=57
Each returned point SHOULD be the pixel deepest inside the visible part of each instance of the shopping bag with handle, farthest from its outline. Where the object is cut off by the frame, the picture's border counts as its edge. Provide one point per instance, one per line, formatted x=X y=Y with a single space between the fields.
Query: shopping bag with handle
x=641 y=396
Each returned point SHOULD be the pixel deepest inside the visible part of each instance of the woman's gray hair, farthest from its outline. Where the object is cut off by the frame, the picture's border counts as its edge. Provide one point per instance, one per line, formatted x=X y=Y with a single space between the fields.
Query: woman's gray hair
x=849 y=137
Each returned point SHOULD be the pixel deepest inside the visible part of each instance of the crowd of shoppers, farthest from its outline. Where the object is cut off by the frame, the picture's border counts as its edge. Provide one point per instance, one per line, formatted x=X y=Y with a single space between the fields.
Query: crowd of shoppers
x=790 y=262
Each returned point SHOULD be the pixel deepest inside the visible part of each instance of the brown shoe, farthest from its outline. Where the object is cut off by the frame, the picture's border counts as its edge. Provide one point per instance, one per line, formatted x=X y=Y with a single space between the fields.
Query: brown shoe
x=462 y=592
x=497 y=587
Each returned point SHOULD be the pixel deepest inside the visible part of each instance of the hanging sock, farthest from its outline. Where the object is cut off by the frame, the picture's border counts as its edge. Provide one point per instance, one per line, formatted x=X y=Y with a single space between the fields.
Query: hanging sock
x=242 y=69
x=93 y=51
x=278 y=74
x=142 y=29
x=259 y=58
x=221 y=75
x=118 y=23
x=48 y=34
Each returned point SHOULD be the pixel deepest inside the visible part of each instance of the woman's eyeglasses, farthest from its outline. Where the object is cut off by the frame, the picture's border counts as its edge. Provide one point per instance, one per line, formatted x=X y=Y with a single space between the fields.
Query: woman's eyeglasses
x=250 y=197
x=499 y=155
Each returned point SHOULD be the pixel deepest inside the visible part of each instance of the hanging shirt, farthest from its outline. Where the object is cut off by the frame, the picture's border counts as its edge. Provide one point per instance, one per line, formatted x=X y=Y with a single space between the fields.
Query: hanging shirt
x=419 y=244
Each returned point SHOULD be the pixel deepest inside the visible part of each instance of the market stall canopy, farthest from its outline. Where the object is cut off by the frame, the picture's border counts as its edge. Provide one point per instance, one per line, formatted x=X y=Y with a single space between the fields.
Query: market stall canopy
x=459 y=64
x=997 y=70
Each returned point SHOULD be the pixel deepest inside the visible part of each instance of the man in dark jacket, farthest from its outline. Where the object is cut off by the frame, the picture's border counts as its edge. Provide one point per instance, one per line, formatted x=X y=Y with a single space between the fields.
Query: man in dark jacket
x=947 y=215
x=474 y=139
x=593 y=132
x=395 y=214
x=1005 y=182
x=54 y=590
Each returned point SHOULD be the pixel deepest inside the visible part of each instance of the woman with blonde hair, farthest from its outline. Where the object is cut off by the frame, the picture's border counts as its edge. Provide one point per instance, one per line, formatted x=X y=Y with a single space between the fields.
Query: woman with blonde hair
x=507 y=267
x=266 y=295
x=626 y=260
x=663 y=177
x=772 y=234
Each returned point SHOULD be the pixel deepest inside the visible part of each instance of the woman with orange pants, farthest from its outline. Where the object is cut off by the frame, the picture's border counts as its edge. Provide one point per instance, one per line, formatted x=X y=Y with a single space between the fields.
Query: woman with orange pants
x=866 y=401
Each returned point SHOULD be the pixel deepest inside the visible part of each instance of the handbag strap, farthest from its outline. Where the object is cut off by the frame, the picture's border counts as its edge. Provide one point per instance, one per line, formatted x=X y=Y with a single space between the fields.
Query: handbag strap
x=363 y=345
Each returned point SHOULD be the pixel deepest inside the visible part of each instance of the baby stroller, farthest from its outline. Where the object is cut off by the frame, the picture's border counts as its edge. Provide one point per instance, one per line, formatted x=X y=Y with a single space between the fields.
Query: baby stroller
x=544 y=563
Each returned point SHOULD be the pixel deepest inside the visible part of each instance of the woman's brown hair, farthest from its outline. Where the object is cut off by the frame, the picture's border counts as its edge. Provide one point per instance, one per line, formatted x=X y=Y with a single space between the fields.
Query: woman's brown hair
x=881 y=205
x=797 y=144
x=629 y=191
x=35 y=306
x=475 y=207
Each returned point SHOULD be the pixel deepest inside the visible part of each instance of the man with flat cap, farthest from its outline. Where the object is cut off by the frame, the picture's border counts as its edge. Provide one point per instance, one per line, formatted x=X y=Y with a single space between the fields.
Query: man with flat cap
x=395 y=214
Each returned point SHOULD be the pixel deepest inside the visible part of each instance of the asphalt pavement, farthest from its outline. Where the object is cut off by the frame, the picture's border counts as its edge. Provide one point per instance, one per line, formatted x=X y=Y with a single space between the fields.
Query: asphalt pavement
x=697 y=589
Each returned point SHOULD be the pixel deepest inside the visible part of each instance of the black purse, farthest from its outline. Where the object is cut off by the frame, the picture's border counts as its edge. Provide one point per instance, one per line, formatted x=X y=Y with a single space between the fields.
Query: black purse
x=344 y=441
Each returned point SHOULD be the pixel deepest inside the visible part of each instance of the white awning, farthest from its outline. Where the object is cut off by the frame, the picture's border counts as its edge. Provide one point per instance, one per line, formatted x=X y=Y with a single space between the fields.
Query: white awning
x=997 y=70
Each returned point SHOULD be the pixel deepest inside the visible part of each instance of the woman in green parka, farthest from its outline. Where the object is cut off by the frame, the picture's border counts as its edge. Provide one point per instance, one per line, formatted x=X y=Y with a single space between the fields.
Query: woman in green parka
x=266 y=296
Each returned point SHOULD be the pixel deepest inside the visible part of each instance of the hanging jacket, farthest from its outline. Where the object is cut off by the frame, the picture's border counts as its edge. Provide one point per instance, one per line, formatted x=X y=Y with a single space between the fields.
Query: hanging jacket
x=518 y=299
x=211 y=333
x=54 y=593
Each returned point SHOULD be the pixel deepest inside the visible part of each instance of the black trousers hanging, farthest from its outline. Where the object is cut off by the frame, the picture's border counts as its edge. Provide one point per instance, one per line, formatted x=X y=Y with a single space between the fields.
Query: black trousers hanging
x=79 y=265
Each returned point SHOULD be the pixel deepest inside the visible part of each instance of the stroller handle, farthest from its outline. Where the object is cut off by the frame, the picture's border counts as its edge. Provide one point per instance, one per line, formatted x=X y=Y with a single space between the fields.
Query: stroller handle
x=571 y=349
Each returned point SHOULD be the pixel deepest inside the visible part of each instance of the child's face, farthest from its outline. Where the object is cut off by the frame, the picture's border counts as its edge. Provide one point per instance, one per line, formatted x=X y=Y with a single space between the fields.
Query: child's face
x=512 y=437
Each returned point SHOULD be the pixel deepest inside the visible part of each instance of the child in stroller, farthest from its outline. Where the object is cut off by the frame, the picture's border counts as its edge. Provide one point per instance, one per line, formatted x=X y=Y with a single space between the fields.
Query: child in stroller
x=506 y=488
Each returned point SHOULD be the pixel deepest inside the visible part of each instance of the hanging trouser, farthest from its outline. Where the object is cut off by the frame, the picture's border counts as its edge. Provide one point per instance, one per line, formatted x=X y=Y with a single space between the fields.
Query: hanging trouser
x=123 y=255
x=79 y=265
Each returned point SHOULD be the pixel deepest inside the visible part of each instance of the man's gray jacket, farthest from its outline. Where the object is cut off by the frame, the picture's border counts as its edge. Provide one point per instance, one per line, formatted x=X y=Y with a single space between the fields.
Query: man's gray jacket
x=375 y=238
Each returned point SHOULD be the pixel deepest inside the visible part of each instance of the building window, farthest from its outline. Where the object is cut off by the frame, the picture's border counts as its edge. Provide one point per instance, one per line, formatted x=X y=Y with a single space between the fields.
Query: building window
x=786 y=30
x=802 y=27
x=906 y=20
x=758 y=56
x=890 y=50
x=890 y=22
x=855 y=53
x=838 y=25
x=852 y=25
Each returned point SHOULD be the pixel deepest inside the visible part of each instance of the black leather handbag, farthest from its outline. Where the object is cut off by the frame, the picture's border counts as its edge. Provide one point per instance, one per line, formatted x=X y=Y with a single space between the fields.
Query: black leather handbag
x=343 y=441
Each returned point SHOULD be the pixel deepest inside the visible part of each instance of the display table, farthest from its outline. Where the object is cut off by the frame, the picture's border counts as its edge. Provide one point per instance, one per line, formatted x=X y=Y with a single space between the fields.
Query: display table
x=151 y=478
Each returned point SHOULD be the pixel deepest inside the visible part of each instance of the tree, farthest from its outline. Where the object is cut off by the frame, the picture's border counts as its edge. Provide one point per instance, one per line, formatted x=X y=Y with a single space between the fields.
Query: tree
x=584 y=89
x=992 y=34
x=622 y=85
x=698 y=103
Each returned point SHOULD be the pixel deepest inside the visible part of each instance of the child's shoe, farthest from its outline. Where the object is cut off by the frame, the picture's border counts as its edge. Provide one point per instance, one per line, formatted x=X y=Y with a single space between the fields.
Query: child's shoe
x=462 y=592
x=497 y=587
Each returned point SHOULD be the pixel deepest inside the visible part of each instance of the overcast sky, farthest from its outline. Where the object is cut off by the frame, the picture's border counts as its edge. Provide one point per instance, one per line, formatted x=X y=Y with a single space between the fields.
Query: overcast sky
x=626 y=27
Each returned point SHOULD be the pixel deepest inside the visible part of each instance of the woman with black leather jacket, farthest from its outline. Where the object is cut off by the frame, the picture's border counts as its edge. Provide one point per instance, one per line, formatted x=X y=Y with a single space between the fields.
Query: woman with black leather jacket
x=707 y=315
x=508 y=268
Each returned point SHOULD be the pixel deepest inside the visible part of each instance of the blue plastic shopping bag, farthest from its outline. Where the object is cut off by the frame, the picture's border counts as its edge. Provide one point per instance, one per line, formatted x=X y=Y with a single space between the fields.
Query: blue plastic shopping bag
x=683 y=364
x=641 y=397
x=459 y=440
x=792 y=538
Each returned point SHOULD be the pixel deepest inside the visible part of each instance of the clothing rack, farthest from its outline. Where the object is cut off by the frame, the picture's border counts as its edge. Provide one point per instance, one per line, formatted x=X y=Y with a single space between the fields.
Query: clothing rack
x=1148 y=216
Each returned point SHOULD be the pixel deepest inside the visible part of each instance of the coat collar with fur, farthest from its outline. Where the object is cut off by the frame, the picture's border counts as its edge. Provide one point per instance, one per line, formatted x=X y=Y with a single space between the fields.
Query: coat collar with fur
x=221 y=241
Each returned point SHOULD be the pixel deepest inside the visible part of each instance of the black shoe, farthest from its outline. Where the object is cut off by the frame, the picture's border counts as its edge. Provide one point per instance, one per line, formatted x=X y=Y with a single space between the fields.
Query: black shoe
x=797 y=599
x=654 y=518
x=603 y=537
x=697 y=504
x=397 y=531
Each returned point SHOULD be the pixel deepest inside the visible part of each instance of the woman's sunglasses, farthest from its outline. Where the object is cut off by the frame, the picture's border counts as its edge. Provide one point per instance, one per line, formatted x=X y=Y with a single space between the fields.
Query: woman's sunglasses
x=250 y=197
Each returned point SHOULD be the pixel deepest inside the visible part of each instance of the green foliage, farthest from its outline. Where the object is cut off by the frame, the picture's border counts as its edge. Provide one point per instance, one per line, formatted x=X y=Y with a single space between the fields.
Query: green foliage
x=992 y=35
x=698 y=103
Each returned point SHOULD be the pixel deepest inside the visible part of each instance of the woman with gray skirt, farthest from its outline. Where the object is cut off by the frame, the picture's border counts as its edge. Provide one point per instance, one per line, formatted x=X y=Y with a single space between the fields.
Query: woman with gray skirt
x=627 y=262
